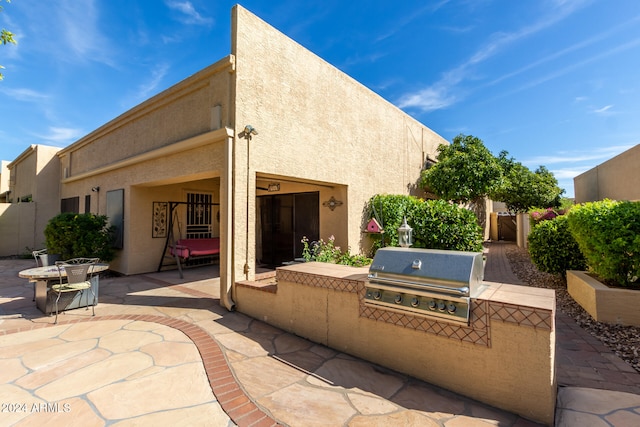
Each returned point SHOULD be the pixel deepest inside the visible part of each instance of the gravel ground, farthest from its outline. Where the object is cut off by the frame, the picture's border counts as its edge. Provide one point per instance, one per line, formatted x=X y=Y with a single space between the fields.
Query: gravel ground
x=624 y=341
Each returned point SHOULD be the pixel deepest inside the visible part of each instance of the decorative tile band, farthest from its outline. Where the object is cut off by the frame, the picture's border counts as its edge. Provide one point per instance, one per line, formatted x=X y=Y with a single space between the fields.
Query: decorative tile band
x=482 y=311
x=522 y=316
x=318 y=281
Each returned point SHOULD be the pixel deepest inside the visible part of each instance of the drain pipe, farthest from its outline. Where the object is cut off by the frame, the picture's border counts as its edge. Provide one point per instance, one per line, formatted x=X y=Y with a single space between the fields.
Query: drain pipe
x=247 y=134
x=227 y=206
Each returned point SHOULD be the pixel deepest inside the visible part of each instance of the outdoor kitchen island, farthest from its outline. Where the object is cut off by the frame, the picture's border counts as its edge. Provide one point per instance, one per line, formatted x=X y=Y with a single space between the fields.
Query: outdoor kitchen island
x=504 y=356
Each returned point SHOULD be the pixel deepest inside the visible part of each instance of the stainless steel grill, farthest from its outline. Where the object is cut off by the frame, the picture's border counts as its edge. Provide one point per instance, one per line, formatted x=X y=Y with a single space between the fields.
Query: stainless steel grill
x=425 y=282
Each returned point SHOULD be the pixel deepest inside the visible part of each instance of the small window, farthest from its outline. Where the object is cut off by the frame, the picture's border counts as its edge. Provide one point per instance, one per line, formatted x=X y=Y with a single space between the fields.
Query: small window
x=71 y=204
x=87 y=203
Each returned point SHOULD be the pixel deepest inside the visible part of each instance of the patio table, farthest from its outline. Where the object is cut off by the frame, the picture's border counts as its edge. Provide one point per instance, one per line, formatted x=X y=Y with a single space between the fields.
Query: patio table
x=47 y=275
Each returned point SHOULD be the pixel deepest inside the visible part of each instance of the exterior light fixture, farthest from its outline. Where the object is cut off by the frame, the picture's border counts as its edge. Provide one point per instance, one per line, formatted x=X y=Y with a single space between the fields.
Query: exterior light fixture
x=405 y=238
x=249 y=131
x=95 y=189
x=273 y=187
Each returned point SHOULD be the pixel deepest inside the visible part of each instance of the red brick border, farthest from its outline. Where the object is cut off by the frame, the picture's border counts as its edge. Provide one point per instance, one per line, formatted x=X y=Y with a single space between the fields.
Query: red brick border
x=224 y=385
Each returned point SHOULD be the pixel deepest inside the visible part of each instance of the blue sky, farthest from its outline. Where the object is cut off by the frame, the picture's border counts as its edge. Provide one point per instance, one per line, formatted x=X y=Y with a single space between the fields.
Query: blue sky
x=553 y=82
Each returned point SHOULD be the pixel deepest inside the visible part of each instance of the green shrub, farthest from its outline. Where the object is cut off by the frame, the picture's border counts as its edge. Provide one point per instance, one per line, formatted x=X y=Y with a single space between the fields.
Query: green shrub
x=608 y=233
x=322 y=251
x=552 y=247
x=80 y=235
x=436 y=224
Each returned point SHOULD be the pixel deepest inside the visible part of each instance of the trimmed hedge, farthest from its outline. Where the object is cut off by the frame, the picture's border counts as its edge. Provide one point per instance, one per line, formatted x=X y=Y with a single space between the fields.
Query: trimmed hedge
x=608 y=234
x=80 y=236
x=553 y=249
x=436 y=224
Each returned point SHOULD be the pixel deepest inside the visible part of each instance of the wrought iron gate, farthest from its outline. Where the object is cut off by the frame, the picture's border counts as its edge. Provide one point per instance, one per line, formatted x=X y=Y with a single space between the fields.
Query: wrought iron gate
x=199 y=215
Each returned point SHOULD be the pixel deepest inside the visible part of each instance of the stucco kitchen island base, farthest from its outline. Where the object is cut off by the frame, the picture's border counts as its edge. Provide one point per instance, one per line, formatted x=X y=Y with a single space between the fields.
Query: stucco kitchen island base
x=505 y=357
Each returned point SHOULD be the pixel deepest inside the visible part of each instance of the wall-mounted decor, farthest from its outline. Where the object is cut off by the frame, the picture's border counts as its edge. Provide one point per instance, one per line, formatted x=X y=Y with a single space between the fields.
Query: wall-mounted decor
x=159 y=219
x=332 y=203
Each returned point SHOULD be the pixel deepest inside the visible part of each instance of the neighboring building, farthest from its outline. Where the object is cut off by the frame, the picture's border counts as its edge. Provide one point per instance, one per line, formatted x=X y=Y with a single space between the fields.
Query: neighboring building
x=32 y=198
x=615 y=179
x=325 y=145
x=4 y=182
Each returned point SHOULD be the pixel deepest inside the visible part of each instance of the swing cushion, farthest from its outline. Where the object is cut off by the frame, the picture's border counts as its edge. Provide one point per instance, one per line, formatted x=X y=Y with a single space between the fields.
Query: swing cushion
x=189 y=248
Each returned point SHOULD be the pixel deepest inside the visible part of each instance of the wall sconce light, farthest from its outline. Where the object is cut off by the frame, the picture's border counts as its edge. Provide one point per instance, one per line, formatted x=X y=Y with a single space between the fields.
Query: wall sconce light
x=95 y=189
x=405 y=238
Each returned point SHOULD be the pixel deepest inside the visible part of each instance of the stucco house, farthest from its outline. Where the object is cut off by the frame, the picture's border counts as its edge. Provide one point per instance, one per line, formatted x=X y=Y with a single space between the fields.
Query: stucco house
x=617 y=179
x=31 y=196
x=322 y=145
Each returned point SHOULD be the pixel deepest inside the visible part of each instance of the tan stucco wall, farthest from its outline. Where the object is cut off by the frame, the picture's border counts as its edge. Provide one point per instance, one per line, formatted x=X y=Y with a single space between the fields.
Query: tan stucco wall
x=36 y=173
x=155 y=152
x=316 y=123
x=4 y=176
x=516 y=372
x=159 y=176
x=616 y=179
x=179 y=113
x=16 y=228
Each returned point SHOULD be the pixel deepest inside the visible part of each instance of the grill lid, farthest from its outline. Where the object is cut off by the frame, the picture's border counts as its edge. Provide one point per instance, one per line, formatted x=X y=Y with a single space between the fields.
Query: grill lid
x=457 y=272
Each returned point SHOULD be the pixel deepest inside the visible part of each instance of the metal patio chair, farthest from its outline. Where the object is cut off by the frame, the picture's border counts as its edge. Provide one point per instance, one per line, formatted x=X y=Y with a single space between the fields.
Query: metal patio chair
x=76 y=273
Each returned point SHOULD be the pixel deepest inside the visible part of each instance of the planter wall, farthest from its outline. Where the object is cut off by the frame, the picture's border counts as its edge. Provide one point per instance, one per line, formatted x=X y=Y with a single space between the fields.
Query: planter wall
x=604 y=304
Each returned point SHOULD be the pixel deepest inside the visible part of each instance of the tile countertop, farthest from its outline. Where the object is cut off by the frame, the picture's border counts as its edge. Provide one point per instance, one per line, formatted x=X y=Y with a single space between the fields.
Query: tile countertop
x=518 y=295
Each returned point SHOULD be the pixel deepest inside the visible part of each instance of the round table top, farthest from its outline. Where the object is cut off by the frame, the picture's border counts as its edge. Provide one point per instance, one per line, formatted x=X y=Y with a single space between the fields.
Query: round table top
x=51 y=271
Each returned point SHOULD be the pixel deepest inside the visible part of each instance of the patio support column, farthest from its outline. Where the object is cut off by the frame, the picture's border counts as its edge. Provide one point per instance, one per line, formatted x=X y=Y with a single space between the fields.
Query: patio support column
x=226 y=228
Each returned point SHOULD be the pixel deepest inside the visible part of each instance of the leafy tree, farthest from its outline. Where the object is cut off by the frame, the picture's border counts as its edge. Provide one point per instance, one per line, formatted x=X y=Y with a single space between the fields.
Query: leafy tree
x=523 y=189
x=6 y=37
x=466 y=171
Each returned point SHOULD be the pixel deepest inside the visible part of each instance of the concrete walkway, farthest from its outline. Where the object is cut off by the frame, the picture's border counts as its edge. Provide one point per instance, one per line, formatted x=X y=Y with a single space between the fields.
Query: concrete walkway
x=161 y=351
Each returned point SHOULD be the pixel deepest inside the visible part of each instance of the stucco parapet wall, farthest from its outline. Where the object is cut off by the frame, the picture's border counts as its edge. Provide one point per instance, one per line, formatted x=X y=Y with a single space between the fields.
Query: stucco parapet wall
x=218 y=135
x=168 y=96
x=518 y=305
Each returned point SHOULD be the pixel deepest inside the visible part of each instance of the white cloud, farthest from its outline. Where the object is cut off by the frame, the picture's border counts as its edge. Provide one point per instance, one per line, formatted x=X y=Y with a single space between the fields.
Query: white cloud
x=26 y=95
x=496 y=44
x=61 y=135
x=189 y=15
x=148 y=88
x=593 y=157
x=78 y=23
x=428 y=99
x=605 y=111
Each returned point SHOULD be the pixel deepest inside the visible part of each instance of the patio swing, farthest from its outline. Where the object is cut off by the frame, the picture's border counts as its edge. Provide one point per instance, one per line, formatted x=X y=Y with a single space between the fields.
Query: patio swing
x=182 y=249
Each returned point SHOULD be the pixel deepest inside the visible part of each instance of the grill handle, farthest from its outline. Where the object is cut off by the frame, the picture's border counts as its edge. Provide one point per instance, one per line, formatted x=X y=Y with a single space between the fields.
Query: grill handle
x=462 y=291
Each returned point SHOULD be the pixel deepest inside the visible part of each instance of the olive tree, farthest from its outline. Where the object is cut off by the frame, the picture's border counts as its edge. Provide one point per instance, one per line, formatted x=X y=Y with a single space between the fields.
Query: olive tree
x=522 y=189
x=466 y=171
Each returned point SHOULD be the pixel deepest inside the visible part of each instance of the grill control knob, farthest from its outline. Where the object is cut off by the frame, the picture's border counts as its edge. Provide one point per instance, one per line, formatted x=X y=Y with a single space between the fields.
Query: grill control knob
x=397 y=299
x=451 y=308
x=377 y=295
x=441 y=306
x=431 y=305
x=415 y=302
